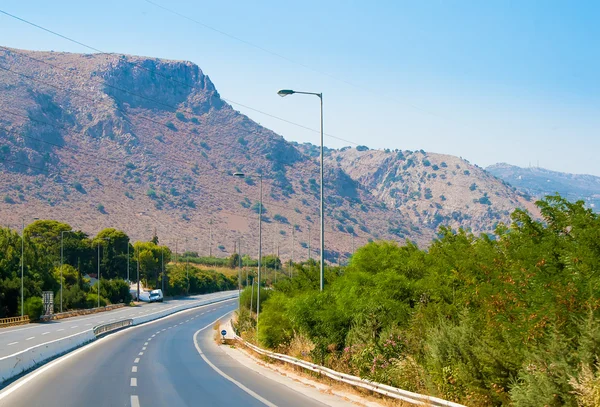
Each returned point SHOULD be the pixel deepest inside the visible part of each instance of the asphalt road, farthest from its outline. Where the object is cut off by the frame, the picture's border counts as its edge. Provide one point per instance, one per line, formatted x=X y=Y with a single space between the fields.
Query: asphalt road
x=16 y=339
x=154 y=364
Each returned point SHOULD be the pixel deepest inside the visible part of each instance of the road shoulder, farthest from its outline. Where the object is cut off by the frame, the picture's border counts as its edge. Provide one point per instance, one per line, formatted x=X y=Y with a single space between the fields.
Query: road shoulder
x=321 y=392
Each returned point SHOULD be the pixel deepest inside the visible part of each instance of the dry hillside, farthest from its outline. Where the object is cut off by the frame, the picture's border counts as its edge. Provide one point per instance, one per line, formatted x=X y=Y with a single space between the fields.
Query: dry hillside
x=142 y=144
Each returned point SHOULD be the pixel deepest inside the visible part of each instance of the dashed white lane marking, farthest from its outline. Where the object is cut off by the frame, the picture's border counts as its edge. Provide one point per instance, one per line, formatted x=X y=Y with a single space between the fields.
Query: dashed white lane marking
x=144 y=348
x=135 y=401
x=61 y=329
x=45 y=333
x=133 y=382
x=30 y=338
x=137 y=360
x=75 y=326
x=146 y=343
x=153 y=335
x=12 y=343
x=133 y=369
x=141 y=353
x=111 y=319
x=88 y=324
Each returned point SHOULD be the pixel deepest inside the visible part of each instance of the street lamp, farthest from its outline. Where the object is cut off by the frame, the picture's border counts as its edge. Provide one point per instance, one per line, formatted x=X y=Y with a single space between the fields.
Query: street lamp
x=23 y=262
x=284 y=93
x=62 y=234
x=99 y=240
x=242 y=175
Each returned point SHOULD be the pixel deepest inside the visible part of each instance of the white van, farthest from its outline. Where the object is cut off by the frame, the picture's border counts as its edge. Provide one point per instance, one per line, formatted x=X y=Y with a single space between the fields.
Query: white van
x=156 y=296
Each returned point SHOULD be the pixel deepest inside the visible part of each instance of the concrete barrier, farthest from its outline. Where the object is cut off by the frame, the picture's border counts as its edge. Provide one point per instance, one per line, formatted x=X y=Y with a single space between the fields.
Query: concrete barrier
x=17 y=363
x=20 y=362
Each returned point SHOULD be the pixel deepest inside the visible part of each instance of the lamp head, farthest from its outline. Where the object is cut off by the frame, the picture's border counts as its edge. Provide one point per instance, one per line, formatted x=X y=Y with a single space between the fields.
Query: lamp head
x=239 y=174
x=285 y=92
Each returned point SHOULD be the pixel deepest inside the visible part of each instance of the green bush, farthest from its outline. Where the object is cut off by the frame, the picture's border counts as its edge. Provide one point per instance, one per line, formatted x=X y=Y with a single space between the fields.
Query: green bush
x=91 y=301
x=34 y=307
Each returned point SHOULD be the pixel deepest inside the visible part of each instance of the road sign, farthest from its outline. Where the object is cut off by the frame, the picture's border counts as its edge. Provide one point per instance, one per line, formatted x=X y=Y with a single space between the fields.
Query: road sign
x=48 y=301
x=223 y=332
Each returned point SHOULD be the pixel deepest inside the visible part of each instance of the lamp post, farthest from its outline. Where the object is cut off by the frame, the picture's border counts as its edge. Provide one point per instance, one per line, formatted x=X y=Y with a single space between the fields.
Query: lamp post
x=286 y=92
x=23 y=262
x=242 y=175
x=187 y=273
x=107 y=239
x=128 y=282
x=62 y=234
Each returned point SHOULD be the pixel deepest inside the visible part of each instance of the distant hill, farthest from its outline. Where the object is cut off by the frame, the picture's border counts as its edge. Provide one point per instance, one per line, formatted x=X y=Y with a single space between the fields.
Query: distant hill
x=539 y=182
x=144 y=144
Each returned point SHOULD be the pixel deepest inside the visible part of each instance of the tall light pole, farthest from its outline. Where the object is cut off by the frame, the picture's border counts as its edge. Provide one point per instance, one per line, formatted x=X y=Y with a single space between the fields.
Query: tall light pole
x=62 y=234
x=242 y=175
x=128 y=282
x=99 y=240
x=187 y=273
x=23 y=262
x=286 y=92
x=162 y=261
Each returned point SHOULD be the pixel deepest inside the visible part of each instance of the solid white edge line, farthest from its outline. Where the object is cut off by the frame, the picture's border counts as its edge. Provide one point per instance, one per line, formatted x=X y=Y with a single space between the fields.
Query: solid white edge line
x=32 y=375
x=220 y=372
x=135 y=401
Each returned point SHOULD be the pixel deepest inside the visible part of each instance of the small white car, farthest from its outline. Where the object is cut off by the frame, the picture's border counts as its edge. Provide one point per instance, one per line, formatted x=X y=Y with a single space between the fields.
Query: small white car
x=156 y=296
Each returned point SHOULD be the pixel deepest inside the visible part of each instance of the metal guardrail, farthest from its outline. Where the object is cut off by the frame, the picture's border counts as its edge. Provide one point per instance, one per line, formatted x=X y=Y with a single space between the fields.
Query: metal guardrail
x=404 y=395
x=102 y=329
x=14 y=321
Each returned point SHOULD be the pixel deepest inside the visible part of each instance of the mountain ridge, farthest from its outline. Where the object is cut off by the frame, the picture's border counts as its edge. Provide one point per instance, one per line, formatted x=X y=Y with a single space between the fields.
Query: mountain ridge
x=146 y=144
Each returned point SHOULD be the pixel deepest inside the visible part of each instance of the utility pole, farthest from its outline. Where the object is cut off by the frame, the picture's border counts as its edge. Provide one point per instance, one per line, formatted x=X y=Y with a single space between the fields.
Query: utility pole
x=176 y=242
x=292 y=259
x=187 y=273
x=162 y=261
x=210 y=239
x=138 y=273
x=309 y=243
x=128 y=260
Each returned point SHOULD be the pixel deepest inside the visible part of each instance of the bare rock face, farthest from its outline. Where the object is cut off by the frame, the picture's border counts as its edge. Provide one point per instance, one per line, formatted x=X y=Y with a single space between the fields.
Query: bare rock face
x=161 y=85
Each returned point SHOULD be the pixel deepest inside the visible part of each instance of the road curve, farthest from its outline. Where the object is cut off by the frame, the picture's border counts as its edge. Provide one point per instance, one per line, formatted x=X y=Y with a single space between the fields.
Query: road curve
x=155 y=364
x=19 y=338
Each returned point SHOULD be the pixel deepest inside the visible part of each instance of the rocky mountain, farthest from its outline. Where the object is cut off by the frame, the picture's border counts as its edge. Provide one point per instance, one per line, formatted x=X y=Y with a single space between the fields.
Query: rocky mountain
x=144 y=145
x=539 y=182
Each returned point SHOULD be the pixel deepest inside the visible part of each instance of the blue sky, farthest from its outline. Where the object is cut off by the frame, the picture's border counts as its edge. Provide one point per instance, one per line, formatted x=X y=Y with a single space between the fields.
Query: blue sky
x=490 y=81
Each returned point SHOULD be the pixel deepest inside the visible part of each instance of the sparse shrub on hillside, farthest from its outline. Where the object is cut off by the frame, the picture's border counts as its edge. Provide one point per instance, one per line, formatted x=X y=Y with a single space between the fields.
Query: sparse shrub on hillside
x=256 y=208
x=426 y=163
x=180 y=116
x=473 y=187
x=242 y=141
x=190 y=202
x=204 y=145
x=195 y=120
x=443 y=164
x=304 y=245
x=8 y=199
x=130 y=165
x=362 y=148
x=221 y=247
x=467 y=172
x=101 y=208
x=151 y=194
x=484 y=200
x=281 y=219
x=171 y=126
x=282 y=232
x=435 y=167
